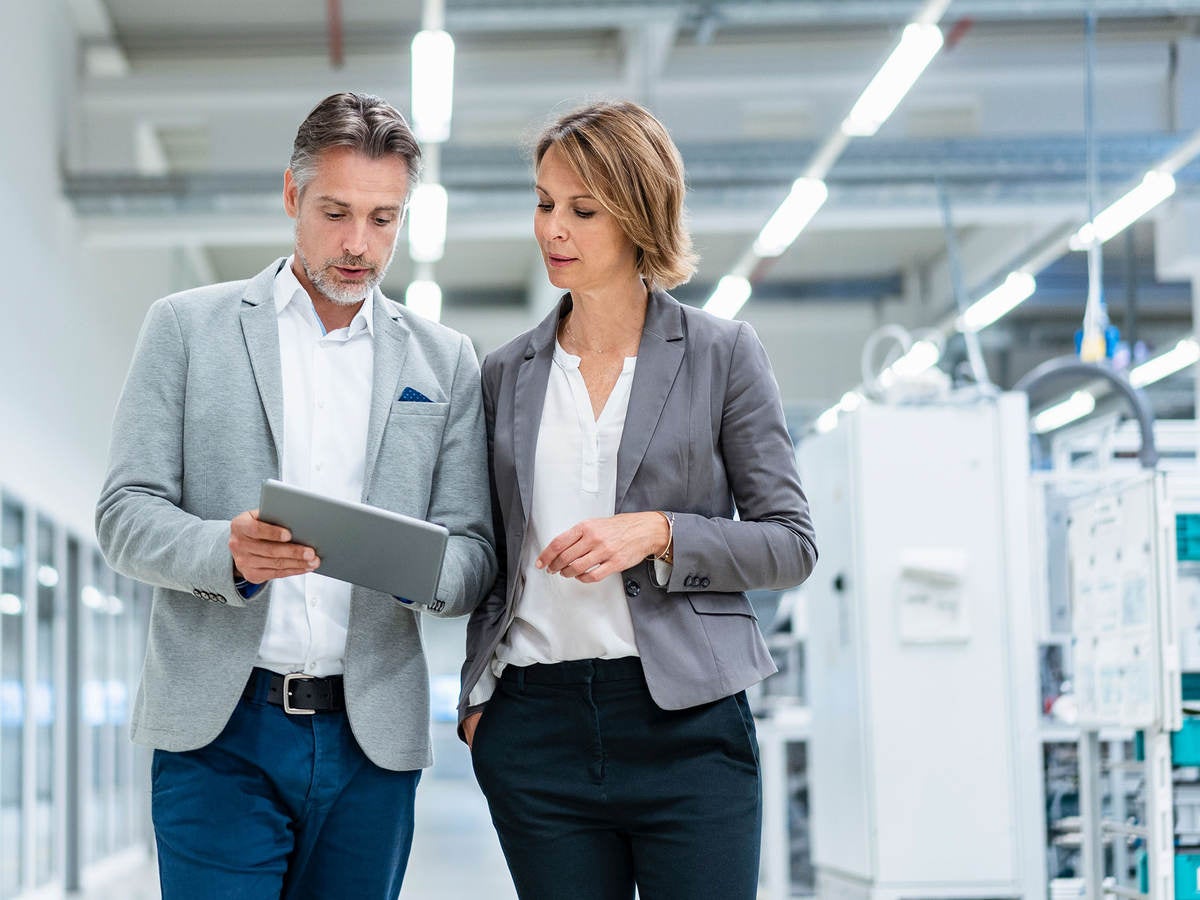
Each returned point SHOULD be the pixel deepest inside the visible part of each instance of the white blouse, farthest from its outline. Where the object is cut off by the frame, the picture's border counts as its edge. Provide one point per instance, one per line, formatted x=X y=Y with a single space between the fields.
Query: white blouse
x=574 y=478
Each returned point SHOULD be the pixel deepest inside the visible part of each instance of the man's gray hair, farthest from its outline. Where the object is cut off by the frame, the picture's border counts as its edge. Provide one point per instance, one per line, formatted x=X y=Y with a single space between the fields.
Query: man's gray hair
x=362 y=122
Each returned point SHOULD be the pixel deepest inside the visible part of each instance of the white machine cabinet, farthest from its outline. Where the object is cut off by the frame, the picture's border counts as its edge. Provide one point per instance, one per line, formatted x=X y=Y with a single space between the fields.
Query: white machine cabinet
x=925 y=767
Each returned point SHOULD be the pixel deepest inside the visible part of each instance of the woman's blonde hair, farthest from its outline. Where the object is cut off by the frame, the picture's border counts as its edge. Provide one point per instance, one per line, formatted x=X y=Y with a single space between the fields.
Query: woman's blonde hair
x=628 y=162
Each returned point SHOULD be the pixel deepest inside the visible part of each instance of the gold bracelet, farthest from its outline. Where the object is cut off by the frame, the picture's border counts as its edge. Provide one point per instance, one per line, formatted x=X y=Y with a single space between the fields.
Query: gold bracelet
x=668 y=553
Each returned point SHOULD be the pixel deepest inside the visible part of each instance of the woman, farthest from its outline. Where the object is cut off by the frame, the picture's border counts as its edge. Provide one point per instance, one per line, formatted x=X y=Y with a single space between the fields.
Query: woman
x=603 y=692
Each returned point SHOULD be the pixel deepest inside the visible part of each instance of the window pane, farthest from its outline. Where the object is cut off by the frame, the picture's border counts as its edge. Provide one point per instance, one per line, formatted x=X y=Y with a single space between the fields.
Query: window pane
x=118 y=712
x=96 y=622
x=44 y=700
x=12 y=694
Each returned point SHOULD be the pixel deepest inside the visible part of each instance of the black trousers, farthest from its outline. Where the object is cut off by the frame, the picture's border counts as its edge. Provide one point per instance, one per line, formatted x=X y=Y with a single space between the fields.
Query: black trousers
x=593 y=788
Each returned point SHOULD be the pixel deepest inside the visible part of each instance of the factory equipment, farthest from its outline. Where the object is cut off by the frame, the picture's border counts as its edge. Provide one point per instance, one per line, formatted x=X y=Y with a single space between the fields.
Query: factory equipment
x=925 y=762
x=1120 y=575
x=1124 y=640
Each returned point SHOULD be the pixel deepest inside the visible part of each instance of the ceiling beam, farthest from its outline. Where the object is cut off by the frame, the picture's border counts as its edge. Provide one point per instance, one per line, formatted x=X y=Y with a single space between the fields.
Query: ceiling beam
x=487 y=15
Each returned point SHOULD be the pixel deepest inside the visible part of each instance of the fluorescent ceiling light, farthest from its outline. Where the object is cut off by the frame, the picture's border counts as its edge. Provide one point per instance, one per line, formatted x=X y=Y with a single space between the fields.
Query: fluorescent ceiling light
x=1078 y=405
x=806 y=197
x=921 y=356
x=425 y=299
x=10 y=605
x=918 y=46
x=1182 y=355
x=1017 y=288
x=851 y=400
x=1155 y=188
x=427 y=223
x=47 y=576
x=731 y=294
x=432 y=85
x=827 y=421
x=93 y=598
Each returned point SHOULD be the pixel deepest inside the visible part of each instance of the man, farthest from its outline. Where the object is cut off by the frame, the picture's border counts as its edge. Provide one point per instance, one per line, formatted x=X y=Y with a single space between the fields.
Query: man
x=289 y=711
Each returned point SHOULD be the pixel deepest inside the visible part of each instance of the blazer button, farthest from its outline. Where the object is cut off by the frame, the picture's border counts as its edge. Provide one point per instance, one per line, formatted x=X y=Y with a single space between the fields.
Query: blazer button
x=632 y=588
x=703 y=582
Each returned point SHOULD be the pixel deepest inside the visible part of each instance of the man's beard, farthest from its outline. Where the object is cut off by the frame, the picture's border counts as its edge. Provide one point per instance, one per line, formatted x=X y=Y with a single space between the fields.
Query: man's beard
x=325 y=279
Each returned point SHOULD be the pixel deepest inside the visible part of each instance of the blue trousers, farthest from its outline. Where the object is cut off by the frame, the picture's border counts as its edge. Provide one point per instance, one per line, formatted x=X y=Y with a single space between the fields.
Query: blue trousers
x=280 y=806
x=593 y=788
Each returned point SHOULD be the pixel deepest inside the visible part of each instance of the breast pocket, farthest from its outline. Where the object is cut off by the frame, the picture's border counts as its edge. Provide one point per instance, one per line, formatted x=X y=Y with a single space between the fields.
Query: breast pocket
x=408 y=456
x=409 y=408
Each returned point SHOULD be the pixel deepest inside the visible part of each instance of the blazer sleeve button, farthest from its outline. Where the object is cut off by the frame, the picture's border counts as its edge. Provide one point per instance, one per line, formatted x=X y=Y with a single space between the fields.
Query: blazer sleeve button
x=632 y=588
x=703 y=582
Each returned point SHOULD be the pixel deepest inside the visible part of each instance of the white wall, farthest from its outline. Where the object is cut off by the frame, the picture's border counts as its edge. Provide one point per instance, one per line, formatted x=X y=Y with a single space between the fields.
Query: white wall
x=65 y=344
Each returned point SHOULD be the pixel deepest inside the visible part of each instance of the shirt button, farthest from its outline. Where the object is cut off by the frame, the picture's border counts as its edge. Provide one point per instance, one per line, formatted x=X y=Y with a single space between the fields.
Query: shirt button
x=317 y=467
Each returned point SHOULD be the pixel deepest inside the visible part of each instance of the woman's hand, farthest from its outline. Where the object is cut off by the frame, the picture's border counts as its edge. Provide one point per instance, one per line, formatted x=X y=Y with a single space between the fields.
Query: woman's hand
x=469 y=724
x=597 y=548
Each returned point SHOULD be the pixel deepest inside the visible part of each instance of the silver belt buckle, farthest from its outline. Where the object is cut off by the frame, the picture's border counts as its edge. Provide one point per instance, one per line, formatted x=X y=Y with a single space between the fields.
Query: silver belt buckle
x=287 y=694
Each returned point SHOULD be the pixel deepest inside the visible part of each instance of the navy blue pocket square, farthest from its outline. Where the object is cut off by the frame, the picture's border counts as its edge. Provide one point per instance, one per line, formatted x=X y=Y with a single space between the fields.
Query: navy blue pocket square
x=411 y=396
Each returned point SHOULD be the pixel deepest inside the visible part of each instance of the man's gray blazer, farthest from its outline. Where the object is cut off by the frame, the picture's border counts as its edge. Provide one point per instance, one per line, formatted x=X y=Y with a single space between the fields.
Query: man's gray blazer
x=704 y=433
x=199 y=426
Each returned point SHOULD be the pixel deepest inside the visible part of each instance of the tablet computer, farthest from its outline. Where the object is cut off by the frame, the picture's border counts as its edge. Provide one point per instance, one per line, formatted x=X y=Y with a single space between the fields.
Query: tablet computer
x=361 y=544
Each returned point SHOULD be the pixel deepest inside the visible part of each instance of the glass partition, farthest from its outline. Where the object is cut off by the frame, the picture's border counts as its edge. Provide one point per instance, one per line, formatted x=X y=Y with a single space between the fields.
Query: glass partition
x=48 y=639
x=13 y=603
x=96 y=638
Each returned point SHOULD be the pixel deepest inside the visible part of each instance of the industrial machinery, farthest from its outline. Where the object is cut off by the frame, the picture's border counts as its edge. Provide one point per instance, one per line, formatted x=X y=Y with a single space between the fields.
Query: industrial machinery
x=925 y=763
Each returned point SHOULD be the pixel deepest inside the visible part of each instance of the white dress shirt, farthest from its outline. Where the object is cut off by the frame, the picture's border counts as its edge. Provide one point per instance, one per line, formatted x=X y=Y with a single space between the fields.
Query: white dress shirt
x=327 y=381
x=574 y=478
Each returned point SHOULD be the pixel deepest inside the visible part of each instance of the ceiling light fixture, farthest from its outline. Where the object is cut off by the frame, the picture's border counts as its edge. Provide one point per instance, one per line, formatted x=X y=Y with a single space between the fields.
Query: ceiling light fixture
x=1016 y=289
x=1078 y=405
x=1156 y=187
x=427 y=223
x=918 y=46
x=432 y=85
x=47 y=576
x=921 y=356
x=1179 y=357
x=827 y=421
x=425 y=299
x=806 y=197
x=730 y=295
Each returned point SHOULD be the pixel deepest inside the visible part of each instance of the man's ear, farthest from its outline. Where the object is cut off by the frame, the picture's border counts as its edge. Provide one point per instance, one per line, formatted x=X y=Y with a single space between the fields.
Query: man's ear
x=291 y=194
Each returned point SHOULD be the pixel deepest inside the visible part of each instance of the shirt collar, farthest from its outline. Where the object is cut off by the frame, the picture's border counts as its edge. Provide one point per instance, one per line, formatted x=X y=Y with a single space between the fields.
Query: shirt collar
x=287 y=288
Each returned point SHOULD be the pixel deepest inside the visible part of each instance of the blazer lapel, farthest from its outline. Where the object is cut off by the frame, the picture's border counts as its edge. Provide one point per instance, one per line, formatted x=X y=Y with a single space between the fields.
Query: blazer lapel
x=391 y=348
x=530 y=398
x=260 y=328
x=660 y=355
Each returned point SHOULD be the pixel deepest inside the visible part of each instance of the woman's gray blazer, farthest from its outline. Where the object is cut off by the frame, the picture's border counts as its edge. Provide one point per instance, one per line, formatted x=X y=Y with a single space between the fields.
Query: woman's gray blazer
x=704 y=434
